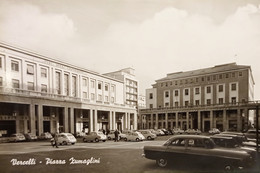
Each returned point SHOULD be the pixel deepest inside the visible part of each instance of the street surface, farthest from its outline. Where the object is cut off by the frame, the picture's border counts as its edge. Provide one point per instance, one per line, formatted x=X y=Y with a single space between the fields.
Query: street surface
x=105 y=157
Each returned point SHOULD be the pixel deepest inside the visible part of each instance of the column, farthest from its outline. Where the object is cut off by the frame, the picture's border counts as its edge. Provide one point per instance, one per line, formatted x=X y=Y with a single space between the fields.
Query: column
x=40 y=119
x=128 y=121
x=203 y=122
x=151 y=127
x=199 y=120
x=72 y=124
x=66 y=120
x=176 y=119
x=25 y=126
x=17 y=124
x=225 y=120
x=91 y=119
x=125 y=121
x=32 y=119
x=211 y=119
x=110 y=120
x=187 y=120
x=156 y=121
x=114 y=120
x=135 y=121
x=166 y=120
x=95 y=122
x=239 y=121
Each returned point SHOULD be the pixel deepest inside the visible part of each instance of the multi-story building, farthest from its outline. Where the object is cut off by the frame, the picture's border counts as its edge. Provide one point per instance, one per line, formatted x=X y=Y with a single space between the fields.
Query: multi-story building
x=127 y=75
x=216 y=97
x=39 y=94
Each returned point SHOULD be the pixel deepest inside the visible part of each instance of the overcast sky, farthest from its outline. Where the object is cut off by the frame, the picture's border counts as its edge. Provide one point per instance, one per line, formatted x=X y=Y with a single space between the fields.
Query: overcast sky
x=155 y=37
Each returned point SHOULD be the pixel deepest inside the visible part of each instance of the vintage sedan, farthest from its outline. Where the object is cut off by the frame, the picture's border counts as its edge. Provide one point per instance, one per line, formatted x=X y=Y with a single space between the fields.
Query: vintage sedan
x=200 y=151
x=95 y=137
x=193 y=131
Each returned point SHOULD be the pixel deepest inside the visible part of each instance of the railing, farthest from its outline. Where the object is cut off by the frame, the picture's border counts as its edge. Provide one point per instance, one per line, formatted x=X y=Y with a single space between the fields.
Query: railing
x=237 y=104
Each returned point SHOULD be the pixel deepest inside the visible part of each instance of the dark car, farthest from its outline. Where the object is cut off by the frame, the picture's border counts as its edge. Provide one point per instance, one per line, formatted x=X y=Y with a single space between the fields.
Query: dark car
x=251 y=134
x=198 y=150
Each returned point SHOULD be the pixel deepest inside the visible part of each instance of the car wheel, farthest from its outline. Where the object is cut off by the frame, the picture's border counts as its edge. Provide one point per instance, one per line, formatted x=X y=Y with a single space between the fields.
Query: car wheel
x=120 y=138
x=149 y=138
x=228 y=168
x=84 y=140
x=162 y=162
x=125 y=139
x=72 y=143
x=96 y=140
x=104 y=140
x=109 y=138
x=137 y=139
x=64 y=143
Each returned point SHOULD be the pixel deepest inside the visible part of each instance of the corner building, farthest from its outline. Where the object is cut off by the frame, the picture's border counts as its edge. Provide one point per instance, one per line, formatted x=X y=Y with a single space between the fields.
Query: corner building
x=215 y=97
x=39 y=94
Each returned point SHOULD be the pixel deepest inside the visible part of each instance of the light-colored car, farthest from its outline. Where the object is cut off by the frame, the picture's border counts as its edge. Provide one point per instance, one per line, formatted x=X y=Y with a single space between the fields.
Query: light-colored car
x=148 y=134
x=160 y=132
x=65 y=139
x=193 y=131
x=45 y=135
x=111 y=135
x=178 y=131
x=30 y=137
x=214 y=131
x=134 y=136
x=16 y=137
x=95 y=137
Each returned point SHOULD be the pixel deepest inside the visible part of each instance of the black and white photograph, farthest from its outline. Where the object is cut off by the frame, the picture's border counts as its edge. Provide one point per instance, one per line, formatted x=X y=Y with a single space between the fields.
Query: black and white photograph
x=129 y=86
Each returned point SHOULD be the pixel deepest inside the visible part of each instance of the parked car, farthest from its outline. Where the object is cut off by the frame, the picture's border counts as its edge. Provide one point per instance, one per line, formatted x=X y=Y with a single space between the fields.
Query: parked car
x=177 y=131
x=16 y=137
x=45 y=135
x=166 y=132
x=111 y=135
x=134 y=136
x=240 y=136
x=251 y=134
x=214 y=131
x=193 y=131
x=30 y=137
x=198 y=150
x=65 y=139
x=95 y=137
x=160 y=132
x=148 y=134
x=80 y=134
x=155 y=132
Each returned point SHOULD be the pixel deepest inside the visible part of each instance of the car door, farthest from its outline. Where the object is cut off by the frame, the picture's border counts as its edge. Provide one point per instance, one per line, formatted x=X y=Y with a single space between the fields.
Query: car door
x=176 y=151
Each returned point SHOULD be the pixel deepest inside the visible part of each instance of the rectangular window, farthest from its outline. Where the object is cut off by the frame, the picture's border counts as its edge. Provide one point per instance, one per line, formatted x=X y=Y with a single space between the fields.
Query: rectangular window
x=220 y=88
x=15 y=83
x=100 y=97
x=214 y=77
x=85 y=95
x=99 y=86
x=186 y=103
x=176 y=93
x=220 y=101
x=176 y=104
x=202 y=79
x=30 y=86
x=15 y=65
x=43 y=72
x=233 y=87
x=220 y=76
x=0 y=62
x=233 y=74
x=208 y=89
x=30 y=69
x=186 y=92
x=66 y=84
x=58 y=83
x=166 y=93
x=85 y=83
x=43 y=88
x=227 y=75
x=240 y=73
x=176 y=82
x=197 y=90
x=151 y=105
x=151 y=96
x=208 y=78
x=74 y=86
x=197 y=102
x=92 y=96
x=208 y=101
x=106 y=87
x=233 y=100
x=166 y=104
x=112 y=99
x=92 y=84
x=1 y=81
x=106 y=98
x=113 y=88
x=197 y=80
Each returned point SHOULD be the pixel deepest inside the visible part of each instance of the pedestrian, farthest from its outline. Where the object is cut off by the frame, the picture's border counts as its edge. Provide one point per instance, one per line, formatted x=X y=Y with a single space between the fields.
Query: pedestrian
x=104 y=132
x=116 y=135
x=55 y=140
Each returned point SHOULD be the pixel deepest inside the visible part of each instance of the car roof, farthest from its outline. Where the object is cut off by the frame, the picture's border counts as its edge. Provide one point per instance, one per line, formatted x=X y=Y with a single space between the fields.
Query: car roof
x=190 y=136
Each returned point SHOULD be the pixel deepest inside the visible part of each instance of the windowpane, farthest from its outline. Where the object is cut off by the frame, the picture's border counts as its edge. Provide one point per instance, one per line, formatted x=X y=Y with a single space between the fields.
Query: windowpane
x=15 y=83
x=233 y=87
x=30 y=69
x=15 y=65
x=220 y=88
x=43 y=72
x=30 y=86
x=208 y=89
x=1 y=81
x=44 y=88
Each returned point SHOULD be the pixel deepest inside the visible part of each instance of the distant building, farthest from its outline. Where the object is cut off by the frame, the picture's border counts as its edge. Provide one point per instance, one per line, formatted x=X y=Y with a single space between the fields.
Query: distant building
x=39 y=94
x=215 y=97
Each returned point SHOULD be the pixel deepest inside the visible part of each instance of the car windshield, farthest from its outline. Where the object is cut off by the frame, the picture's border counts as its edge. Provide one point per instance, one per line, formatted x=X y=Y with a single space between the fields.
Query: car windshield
x=100 y=133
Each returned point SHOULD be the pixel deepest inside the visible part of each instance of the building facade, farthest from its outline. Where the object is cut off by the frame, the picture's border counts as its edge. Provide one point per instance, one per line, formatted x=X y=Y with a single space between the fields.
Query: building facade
x=215 y=97
x=39 y=94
